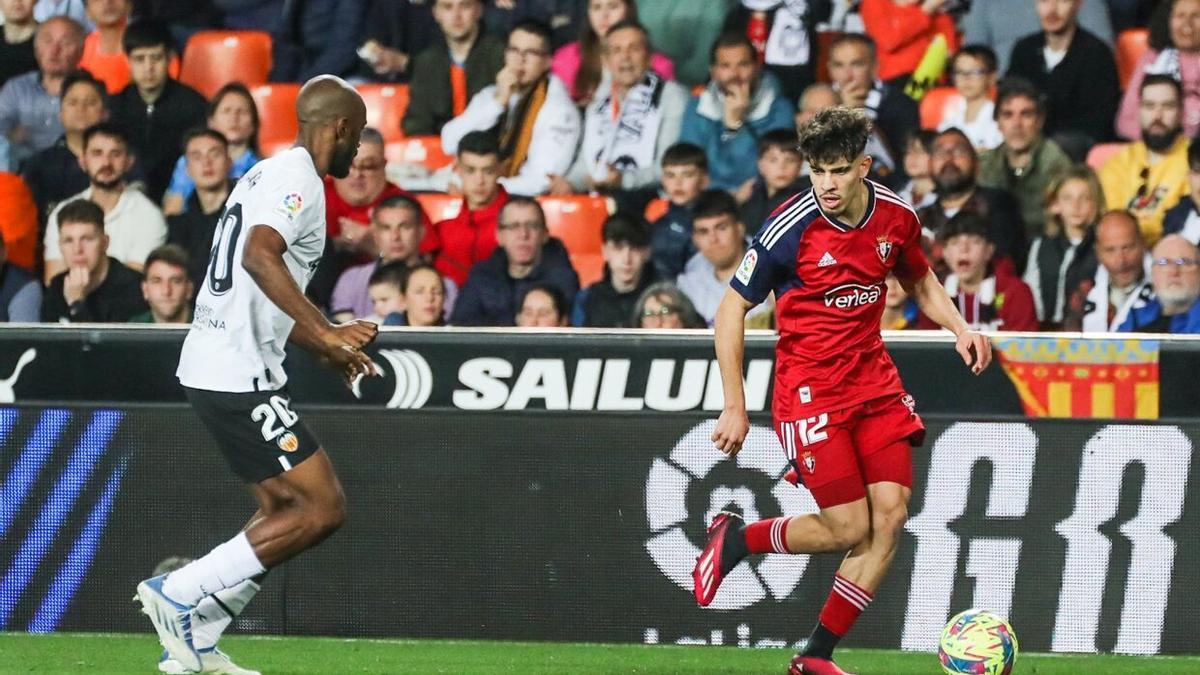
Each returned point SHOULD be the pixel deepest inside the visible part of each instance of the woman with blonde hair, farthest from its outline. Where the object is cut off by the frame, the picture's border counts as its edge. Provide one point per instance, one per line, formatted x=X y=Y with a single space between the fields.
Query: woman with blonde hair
x=1074 y=202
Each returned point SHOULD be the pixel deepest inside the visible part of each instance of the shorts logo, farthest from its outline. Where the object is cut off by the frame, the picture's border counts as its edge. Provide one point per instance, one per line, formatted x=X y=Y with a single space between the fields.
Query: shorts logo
x=746 y=269
x=290 y=205
x=909 y=403
x=810 y=462
x=883 y=247
x=288 y=442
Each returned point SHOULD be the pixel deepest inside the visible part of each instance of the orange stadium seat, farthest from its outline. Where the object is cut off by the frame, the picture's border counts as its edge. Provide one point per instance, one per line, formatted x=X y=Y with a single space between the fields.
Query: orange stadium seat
x=386 y=104
x=277 y=114
x=1100 y=153
x=423 y=150
x=439 y=206
x=656 y=209
x=933 y=106
x=1131 y=45
x=577 y=221
x=589 y=266
x=212 y=59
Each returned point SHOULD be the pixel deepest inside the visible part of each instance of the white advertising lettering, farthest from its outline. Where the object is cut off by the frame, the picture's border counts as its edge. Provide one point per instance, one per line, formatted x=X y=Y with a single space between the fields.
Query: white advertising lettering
x=850 y=296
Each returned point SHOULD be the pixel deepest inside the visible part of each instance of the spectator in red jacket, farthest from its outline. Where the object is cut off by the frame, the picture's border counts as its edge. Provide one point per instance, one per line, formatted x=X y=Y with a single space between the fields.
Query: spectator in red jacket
x=349 y=200
x=903 y=30
x=987 y=300
x=469 y=237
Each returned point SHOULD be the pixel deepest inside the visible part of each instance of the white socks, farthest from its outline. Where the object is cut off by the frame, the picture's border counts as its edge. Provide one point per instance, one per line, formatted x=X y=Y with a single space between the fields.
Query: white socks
x=224 y=567
x=215 y=612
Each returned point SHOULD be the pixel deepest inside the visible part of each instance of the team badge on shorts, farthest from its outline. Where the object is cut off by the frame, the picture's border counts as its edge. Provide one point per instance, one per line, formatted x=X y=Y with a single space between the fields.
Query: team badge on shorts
x=883 y=247
x=288 y=442
x=810 y=462
x=909 y=403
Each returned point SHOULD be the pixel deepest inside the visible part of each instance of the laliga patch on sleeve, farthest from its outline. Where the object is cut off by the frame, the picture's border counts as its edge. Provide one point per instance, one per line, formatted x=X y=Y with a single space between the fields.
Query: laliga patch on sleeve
x=290 y=205
x=746 y=269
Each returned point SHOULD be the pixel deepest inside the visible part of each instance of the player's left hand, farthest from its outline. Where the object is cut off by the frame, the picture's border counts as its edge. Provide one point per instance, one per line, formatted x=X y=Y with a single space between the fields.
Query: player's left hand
x=353 y=364
x=975 y=349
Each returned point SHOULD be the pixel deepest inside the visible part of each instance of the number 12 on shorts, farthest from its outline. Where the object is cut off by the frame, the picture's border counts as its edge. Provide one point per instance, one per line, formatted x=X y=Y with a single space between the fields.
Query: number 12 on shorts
x=811 y=429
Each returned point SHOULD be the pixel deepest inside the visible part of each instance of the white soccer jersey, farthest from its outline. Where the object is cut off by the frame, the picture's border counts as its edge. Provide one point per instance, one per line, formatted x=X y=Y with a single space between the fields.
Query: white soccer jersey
x=238 y=335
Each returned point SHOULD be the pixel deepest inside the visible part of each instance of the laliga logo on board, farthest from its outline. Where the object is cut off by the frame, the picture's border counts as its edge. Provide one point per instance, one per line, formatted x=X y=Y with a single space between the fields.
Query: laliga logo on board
x=414 y=379
x=667 y=486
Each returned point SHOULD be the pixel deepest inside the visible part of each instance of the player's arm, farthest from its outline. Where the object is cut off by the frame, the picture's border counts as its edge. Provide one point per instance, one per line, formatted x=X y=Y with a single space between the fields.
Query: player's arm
x=730 y=333
x=937 y=305
x=262 y=259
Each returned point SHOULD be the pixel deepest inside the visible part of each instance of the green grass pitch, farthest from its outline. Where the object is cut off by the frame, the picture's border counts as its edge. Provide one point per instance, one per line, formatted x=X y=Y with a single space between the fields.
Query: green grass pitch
x=96 y=653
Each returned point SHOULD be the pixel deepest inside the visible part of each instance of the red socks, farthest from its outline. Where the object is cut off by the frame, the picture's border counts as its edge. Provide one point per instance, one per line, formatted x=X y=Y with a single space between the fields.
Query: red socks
x=845 y=603
x=767 y=536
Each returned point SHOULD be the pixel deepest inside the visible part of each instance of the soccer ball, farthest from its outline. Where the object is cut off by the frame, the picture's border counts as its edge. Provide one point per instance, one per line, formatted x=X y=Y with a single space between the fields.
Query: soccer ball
x=979 y=643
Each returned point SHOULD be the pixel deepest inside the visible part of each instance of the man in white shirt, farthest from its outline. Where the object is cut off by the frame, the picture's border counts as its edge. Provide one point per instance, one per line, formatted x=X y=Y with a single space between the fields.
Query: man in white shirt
x=266 y=248
x=529 y=109
x=133 y=223
x=720 y=237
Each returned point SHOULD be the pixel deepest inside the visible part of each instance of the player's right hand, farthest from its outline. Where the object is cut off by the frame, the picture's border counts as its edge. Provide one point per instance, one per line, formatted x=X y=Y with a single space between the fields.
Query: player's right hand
x=731 y=431
x=353 y=364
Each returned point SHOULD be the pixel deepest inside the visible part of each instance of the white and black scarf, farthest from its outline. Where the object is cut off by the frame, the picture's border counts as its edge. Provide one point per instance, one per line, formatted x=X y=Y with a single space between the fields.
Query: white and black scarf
x=628 y=142
x=788 y=43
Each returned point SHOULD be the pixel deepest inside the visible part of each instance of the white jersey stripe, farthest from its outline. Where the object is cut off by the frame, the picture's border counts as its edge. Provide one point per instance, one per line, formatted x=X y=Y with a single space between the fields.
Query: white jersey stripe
x=786 y=218
x=772 y=239
x=897 y=202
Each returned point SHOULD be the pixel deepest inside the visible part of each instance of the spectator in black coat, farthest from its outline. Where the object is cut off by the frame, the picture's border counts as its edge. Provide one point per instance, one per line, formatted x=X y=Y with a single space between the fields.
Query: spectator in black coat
x=526 y=255
x=154 y=109
x=794 y=61
x=608 y=303
x=318 y=37
x=1077 y=73
x=395 y=32
x=207 y=155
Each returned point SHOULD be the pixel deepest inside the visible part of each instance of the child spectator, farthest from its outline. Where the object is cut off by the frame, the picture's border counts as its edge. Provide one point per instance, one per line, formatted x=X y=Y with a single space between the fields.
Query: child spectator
x=685 y=176
x=779 y=178
x=973 y=70
x=1073 y=205
x=987 y=300
x=920 y=190
x=384 y=289
x=609 y=302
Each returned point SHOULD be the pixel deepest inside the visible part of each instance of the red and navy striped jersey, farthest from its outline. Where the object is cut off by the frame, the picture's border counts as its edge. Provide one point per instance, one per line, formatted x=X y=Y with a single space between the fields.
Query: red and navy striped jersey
x=828 y=280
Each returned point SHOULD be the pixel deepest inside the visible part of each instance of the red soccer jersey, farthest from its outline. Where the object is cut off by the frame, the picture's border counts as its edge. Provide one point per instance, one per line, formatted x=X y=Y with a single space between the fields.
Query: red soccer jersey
x=828 y=280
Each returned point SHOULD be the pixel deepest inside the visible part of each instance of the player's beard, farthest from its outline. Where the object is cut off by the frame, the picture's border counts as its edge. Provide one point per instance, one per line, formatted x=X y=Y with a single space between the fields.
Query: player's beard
x=343 y=157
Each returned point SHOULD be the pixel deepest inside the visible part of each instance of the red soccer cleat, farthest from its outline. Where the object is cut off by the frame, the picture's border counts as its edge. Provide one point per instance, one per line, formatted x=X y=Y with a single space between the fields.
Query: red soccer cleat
x=725 y=549
x=811 y=665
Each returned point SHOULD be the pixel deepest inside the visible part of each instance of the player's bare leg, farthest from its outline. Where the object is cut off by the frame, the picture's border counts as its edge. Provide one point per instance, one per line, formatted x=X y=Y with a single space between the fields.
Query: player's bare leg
x=299 y=508
x=858 y=577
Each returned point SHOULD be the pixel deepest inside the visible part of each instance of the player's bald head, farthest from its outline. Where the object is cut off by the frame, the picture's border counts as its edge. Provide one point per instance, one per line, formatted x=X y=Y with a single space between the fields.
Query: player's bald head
x=325 y=99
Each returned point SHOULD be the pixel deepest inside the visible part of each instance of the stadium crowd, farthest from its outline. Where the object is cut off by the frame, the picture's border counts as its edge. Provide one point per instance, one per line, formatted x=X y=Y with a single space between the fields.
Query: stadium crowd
x=601 y=163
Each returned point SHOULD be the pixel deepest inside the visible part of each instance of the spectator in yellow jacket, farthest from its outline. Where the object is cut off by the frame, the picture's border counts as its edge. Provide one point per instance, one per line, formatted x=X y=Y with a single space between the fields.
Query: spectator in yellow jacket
x=1150 y=176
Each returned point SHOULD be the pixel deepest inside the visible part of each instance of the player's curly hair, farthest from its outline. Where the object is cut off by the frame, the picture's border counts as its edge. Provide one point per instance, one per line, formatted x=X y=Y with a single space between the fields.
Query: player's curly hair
x=833 y=135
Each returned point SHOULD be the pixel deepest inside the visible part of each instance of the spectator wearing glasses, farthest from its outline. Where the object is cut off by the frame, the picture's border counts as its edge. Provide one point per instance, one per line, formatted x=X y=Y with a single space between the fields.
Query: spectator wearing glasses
x=663 y=306
x=1175 y=277
x=1149 y=176
x=973 y=70
x=531 y=111
x=526 y=255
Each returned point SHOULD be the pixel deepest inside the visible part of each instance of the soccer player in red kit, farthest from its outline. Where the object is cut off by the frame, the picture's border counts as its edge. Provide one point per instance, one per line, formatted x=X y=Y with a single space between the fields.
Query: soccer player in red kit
x=840 y=410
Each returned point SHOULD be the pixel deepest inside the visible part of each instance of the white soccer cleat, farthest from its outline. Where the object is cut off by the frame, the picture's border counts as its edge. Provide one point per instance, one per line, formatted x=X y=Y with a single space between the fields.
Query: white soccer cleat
x=212 y=661
x=172 y=621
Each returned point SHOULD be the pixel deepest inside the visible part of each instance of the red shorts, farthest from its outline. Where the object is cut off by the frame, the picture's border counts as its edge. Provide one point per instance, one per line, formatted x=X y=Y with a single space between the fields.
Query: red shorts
x=838 y=454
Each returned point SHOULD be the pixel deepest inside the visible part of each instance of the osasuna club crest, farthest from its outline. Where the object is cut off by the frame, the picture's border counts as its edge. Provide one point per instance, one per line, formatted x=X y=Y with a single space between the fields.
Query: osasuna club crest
x=883 y=247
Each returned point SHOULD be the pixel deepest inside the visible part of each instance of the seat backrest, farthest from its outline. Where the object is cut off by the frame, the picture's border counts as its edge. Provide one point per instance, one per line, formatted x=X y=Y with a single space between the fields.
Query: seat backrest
x=577 y=220
x=212 y=59
x=1101 y=152
x=439 y=206
x=277 y=115
x=423 y=150
x=589 y=267
x=1131 y=46
x=386 y=104
x=933 y=106
x=657 y=208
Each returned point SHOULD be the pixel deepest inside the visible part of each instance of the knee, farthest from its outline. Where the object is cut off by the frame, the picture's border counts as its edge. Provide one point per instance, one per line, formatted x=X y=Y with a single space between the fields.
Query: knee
x=888 y=522
x=847 y=535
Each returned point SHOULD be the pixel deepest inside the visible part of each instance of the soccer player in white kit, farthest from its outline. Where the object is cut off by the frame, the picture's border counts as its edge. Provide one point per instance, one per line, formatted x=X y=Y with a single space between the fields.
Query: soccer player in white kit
x=267 y=245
